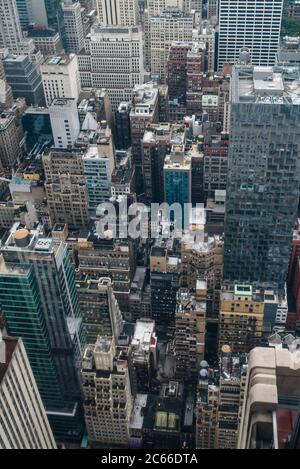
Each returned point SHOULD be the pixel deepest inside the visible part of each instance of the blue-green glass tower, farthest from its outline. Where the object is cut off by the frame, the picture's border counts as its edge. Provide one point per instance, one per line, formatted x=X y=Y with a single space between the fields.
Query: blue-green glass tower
x=39 y=301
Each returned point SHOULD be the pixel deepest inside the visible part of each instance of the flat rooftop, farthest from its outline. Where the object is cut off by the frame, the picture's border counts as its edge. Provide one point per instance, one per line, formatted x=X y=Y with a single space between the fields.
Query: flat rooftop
x=266 y=85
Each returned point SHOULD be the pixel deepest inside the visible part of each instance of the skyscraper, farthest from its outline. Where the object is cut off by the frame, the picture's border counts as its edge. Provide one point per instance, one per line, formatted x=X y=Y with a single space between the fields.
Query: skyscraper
x=39 y=302
x=254 y=24
x=60 y=77
x=23 y=12
x=171 y=25
x=10 y=27
x=66 y=188
x=24 y=423
x=73 y=32
x=113 y=59
x=120 y=13
x=263 y=175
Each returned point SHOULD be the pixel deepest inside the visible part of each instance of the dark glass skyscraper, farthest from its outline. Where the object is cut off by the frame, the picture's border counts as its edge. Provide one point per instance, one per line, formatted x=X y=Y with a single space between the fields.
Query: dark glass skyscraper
x=39 y=302
x=263 y=175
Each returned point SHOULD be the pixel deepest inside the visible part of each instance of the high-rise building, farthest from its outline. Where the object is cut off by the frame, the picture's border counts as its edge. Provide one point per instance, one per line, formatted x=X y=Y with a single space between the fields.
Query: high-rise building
x=143 y=356
x=215 y=151
x=189 y=338
x=11 y=141
x=106 y=387
x=64 y=122
x=144 y=112
x=122 y=125
x=203 y=261
x=73 y=31
x=39 y=302
x=207 y=34
x=98 y=167
x=251 y=24
x=232 y=369
x=220 y=396
x=263 y=175
x=23 y=12
x=46 y=13
x=99 y=308
x=66 y=189
x=247 y=314
x=171 y=25
x=60 y=77
x=10 y=26
x=24 y=423
x=120 y=13
x=46 y=40
x=164 y=282
x=112 y=258
x=157 y=142
x=24 y=77
x=113 y=59
x=178 y=178
x=37 y=13
x=213 y=10
x=270 y=416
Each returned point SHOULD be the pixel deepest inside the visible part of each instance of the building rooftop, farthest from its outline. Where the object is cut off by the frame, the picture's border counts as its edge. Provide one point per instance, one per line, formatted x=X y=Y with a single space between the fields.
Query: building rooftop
x=143 y=338
x=266 y=85
x=61 y=60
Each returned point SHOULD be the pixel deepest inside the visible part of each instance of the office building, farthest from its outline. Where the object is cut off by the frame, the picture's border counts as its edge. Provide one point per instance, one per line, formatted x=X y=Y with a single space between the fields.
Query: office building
x=66 y=189
x=64 y=120
x=46 y=13
x=113 y=59
x=203 y=260
x=122 y=124
x=157 y=142
x=143 y=356
x=24 y=77
x=73 y=30
x=144 y=111
x=189 y=337
x=11 y=141
x=121 y=13
x=254 y=25
x=207 y=35
x=6 y=96
x=164 y=283
x=10 y=26
x=37 y=283
x=112 y=258
x=46 y=40
x=171 y=25
x=263 y=176
x=99 y=308
x=213 y=11
x=270 y=416
x=106 y=387
x=194 y=67
x=247 y=314
x=98 y=167
x=220 y=394
x=139 y=297
x=215 y=163
x=24 y=423
x=178 y=178
x=60 y=77
x=233 y=370
x=23 y=12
